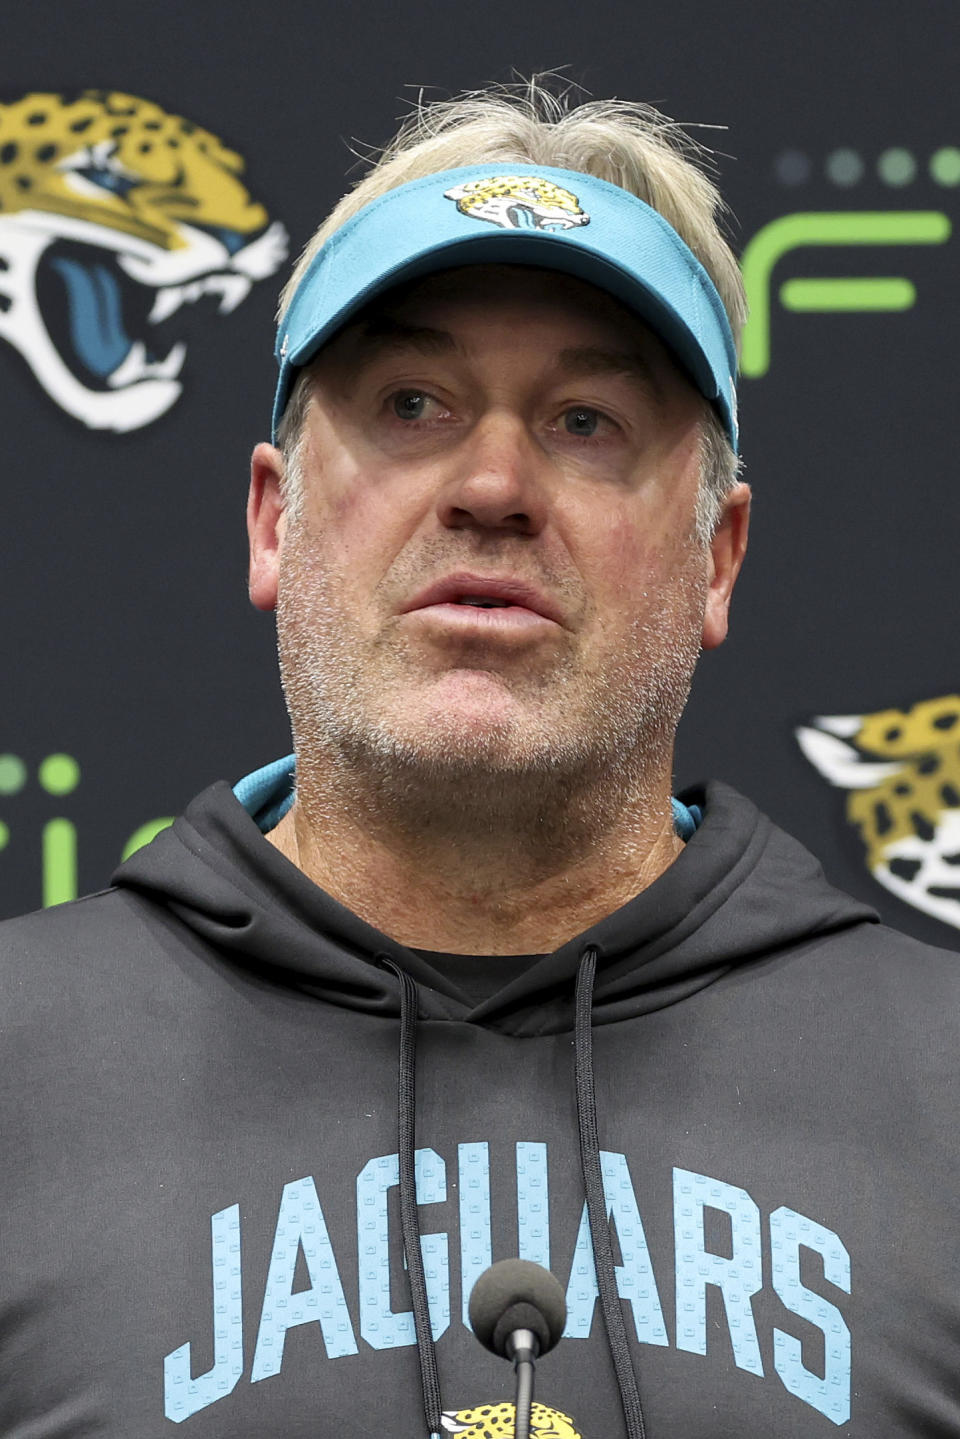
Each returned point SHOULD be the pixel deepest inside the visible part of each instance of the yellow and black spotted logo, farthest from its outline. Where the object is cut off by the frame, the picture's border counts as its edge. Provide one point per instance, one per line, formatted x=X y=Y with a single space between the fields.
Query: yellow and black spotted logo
x=496 y=1421
x=519 y=202
x=901 y=771
x=119 y=225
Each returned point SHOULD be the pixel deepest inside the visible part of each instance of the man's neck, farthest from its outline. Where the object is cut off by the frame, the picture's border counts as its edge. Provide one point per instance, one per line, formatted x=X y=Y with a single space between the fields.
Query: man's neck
x=472 y=898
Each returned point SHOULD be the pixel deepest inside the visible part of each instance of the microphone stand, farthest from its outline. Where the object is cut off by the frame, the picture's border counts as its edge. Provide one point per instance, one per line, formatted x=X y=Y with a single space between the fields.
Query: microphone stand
x=523 y=1347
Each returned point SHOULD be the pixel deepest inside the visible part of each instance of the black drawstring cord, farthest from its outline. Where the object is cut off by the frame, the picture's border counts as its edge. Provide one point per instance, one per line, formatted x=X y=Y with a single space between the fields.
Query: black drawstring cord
x=596 y=1200
x=592 y=1181
x=409 y=1219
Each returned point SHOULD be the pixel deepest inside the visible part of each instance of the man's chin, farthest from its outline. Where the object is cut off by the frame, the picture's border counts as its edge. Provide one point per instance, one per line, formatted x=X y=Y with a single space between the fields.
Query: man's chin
x=481 y=735
x=459 y=744
x=465 y=710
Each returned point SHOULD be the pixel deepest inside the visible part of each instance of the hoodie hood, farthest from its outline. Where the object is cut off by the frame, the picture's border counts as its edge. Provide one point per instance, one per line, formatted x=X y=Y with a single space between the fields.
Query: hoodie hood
x=740 y=890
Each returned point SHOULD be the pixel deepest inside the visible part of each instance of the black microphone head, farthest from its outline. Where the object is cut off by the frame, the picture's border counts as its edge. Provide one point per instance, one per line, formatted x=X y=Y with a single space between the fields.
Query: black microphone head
x=517 y=1294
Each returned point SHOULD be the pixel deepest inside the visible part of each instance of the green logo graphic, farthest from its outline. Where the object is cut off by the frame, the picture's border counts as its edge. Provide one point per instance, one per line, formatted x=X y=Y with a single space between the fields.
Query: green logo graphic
x=853 y=227
x=59 y=776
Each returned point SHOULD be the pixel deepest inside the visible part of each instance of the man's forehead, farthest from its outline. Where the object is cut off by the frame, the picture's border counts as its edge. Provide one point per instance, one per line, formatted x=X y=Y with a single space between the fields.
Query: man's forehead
x=517 y=285
x=427 y=315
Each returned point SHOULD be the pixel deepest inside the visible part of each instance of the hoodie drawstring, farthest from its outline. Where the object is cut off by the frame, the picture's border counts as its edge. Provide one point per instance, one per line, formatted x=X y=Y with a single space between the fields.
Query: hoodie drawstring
x=596 y=1199
x=592 y=1182
x=409 y=1218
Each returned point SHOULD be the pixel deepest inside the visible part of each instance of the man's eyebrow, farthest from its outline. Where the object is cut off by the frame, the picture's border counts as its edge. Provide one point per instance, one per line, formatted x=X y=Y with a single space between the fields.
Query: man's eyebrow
x=597 y=360
x=383 y=333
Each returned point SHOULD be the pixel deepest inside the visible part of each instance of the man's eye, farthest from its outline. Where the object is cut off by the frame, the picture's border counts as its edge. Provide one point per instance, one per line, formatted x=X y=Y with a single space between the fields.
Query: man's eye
x=582 y=421
x=410 y=404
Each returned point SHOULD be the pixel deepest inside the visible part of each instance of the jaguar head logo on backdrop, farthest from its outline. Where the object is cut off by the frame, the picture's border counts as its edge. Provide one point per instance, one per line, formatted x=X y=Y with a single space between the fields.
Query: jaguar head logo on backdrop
x=901 y=769
x=118 y=222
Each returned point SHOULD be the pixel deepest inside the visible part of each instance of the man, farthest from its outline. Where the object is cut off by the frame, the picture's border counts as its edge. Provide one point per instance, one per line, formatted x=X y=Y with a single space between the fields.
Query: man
x=640 y=1040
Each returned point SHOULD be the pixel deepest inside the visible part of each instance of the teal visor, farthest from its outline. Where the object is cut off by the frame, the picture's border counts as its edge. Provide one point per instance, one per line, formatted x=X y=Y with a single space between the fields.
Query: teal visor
x=517 y=215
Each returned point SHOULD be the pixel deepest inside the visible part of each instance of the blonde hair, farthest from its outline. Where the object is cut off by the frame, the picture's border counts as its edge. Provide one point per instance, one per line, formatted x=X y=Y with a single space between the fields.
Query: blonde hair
x=624 y=142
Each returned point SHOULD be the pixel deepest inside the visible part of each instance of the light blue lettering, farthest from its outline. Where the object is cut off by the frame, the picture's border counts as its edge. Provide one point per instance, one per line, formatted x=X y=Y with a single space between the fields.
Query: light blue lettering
x=738 y=1278
x=635 y=1278
x=182 y=1395
x=379 y=1325
x=533 y=1204
x=475 y=1251
x=829 y=1395
x=301 y=1226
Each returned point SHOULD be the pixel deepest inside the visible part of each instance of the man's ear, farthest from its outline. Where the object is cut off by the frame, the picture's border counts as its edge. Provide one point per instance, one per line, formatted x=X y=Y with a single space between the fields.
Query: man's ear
x=266 y=525
x=727 y=549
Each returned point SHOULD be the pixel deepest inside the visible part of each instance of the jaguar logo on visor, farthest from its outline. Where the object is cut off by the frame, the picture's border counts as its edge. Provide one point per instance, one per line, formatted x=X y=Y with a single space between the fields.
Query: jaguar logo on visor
x=519 y=202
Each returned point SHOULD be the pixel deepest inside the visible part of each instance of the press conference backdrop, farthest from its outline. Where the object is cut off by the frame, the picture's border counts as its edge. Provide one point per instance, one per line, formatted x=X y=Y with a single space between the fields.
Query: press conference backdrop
x=136 y=373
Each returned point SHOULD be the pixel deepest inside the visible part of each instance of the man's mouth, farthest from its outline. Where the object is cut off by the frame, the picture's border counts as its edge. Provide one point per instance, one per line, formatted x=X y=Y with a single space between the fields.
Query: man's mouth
x=512 y=597
x=483 y=604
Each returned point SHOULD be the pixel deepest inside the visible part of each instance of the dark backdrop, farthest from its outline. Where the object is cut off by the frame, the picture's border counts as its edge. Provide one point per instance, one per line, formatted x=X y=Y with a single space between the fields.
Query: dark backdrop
x=127 y=641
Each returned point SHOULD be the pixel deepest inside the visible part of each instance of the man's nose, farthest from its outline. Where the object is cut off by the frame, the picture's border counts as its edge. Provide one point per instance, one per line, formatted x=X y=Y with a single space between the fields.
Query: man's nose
x=498 y=480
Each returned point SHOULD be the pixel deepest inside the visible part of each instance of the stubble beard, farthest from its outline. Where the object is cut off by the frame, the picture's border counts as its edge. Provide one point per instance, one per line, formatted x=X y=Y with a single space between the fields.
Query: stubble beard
x=589 y=746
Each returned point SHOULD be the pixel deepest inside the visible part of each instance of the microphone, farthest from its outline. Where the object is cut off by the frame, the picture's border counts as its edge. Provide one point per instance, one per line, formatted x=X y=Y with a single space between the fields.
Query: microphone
x=518 y=1311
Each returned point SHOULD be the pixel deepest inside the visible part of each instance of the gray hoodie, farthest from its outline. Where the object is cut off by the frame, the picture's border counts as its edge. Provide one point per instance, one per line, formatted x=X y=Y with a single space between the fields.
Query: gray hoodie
x=200 y=1194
